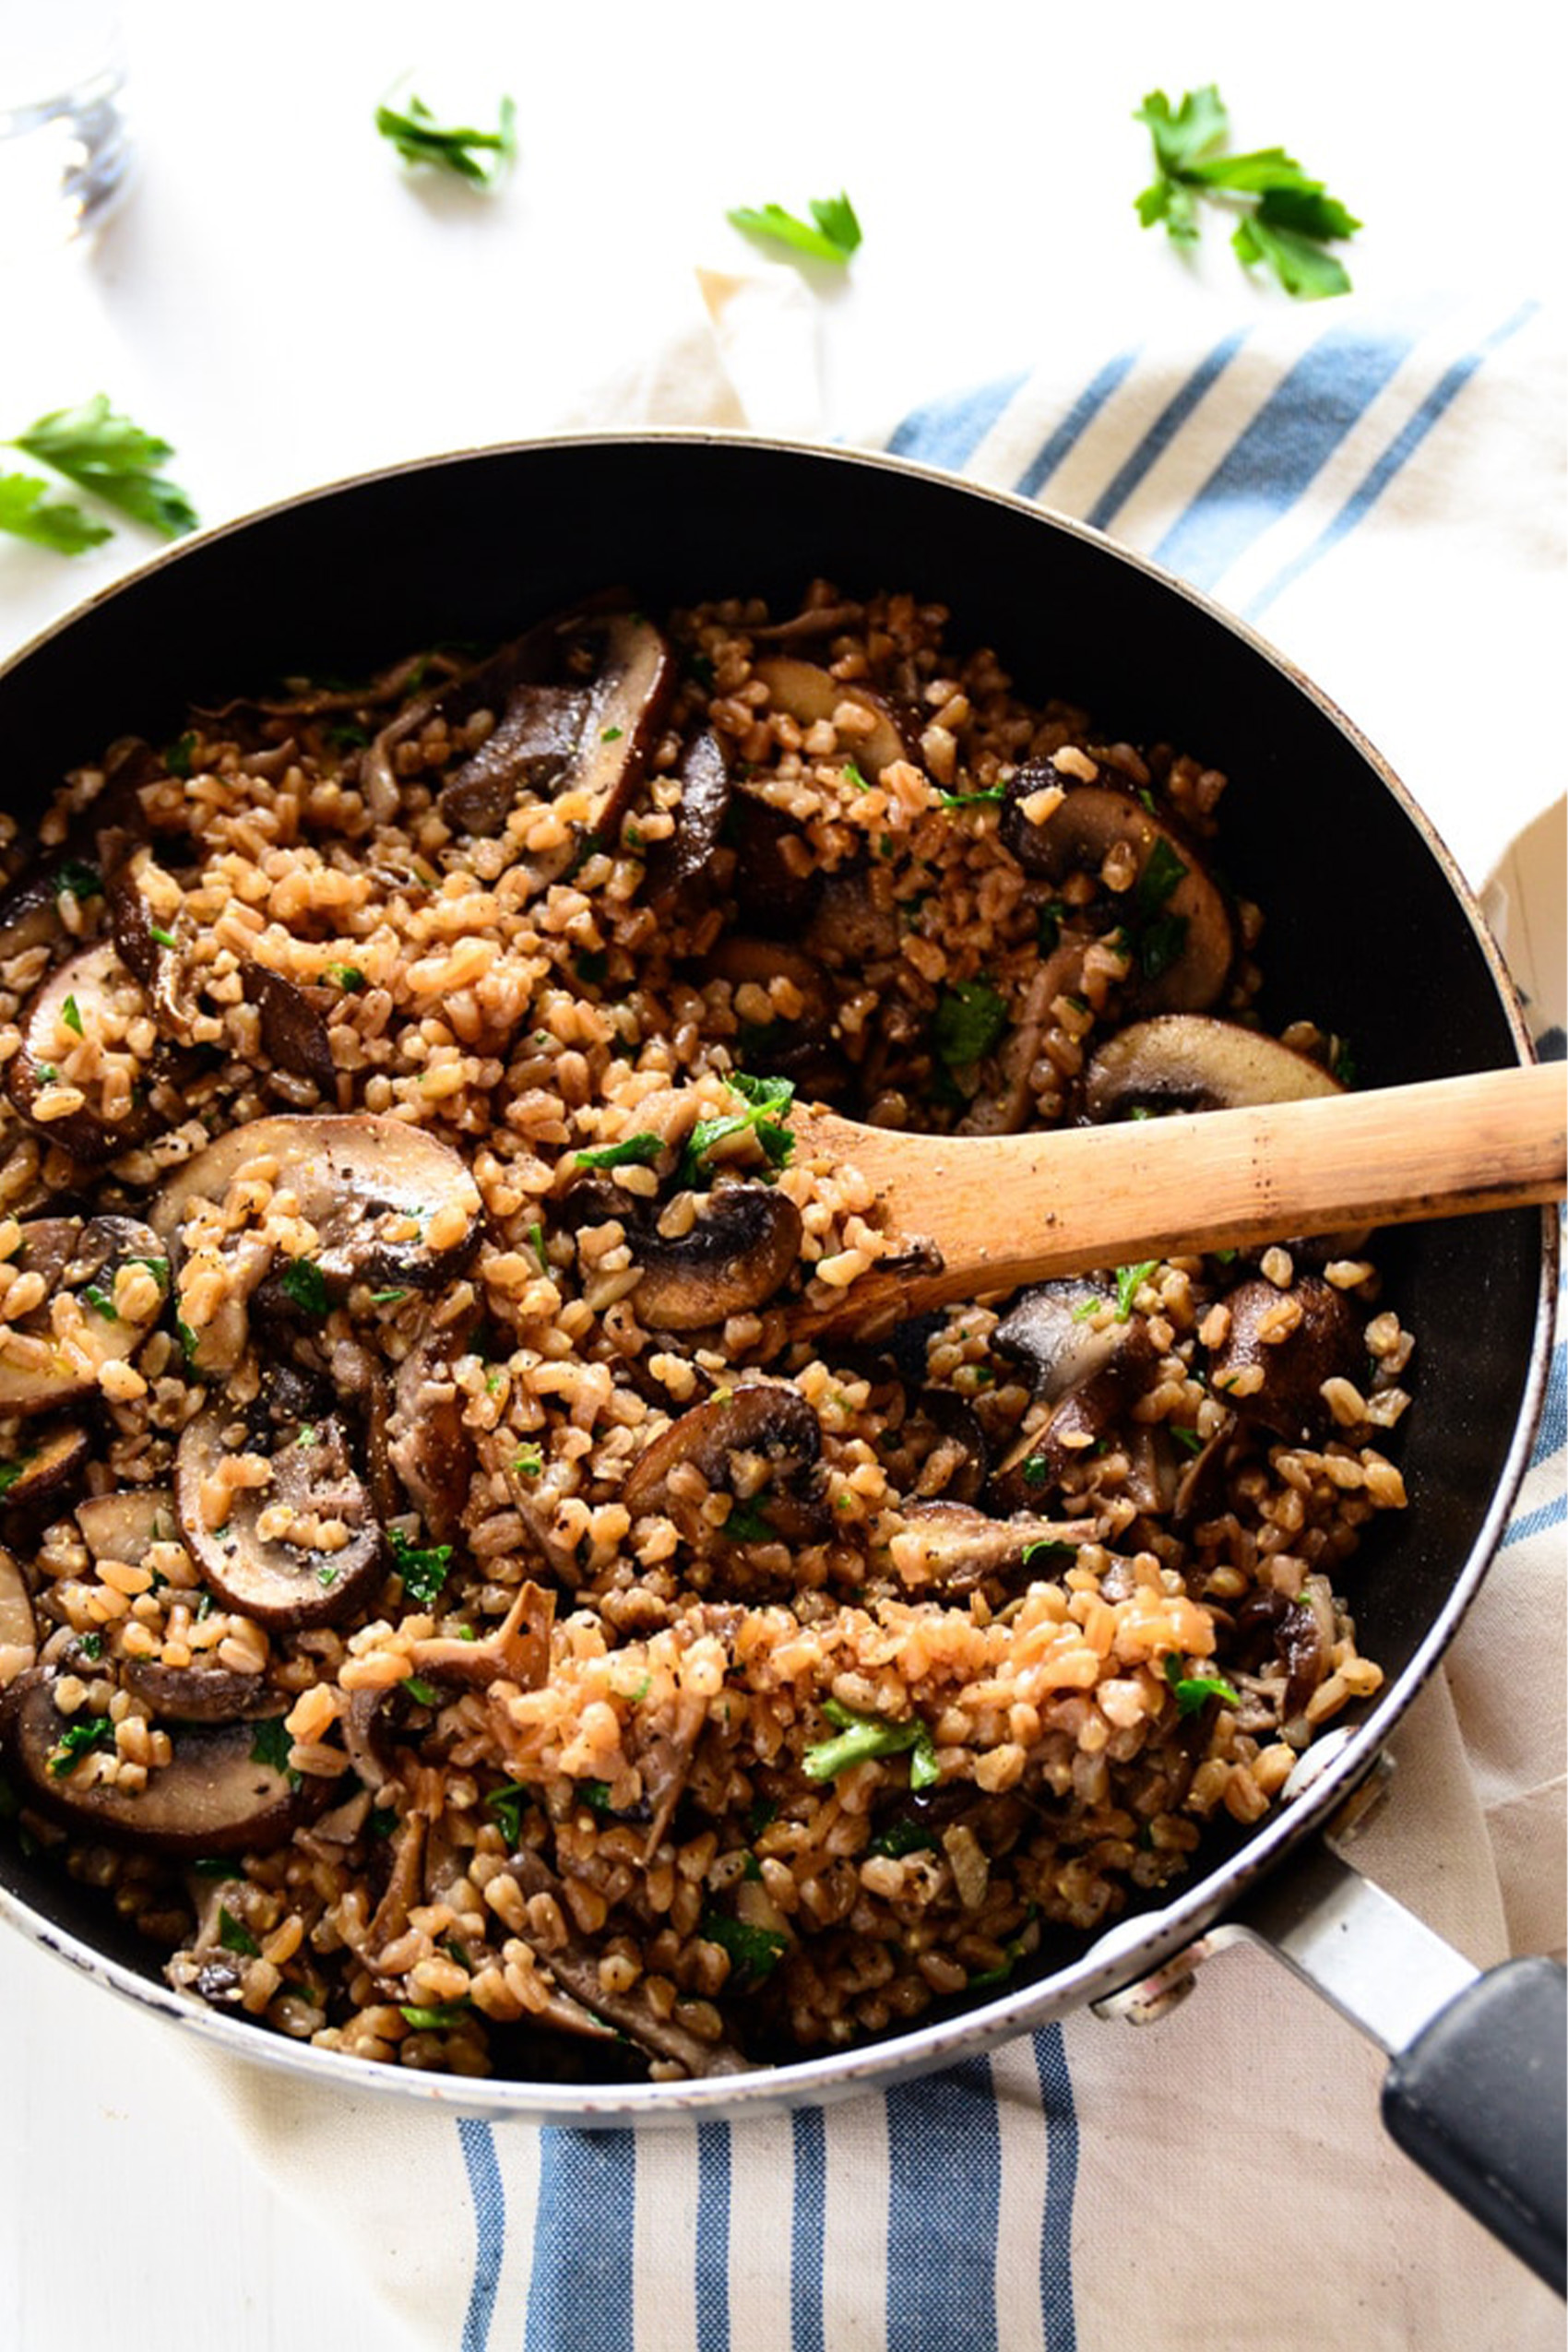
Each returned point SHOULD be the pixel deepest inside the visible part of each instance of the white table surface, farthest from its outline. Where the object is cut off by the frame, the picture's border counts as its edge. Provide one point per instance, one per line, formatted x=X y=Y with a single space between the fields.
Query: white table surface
x=278 y=300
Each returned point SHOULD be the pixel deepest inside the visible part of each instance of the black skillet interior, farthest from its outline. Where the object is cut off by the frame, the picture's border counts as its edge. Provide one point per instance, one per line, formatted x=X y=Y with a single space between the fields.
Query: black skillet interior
x=1366 y=934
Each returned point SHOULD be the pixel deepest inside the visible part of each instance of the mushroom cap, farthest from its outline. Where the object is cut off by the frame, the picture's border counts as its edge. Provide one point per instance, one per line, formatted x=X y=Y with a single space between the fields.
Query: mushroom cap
x=282 y=1579
x=741 y=1247
x=79 y=1261
x=1196 y=1062
x=1295 y=1357
x=76 y=997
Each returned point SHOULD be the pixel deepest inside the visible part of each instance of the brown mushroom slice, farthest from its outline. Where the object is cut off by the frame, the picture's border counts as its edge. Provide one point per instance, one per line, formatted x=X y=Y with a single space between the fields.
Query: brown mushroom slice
x=1280 y=1347
x=852 y=927
x=30 y=909
x=956 y=1546
x=293 y=1035
x=1084 y=1372
x=368 y=1183
x=761 y=1417
x=1056 y=1331
x=206 y=1693
x=18 y=1626
x=124 y=1525
x=44 y=1361
x=742 y=1245
x=808 y=694
x=92 y=995
x=302 y=1550
x=678 y=865
x=430 y=1447
x=518 y=1651
x=53 y=1458
x=217 y=1795
x=1184 y=939
x=1195 y=1062
x=529 y=754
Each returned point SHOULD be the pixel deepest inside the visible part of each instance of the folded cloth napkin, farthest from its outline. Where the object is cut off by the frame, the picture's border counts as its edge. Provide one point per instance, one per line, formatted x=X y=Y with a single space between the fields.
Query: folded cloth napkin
x=1377 y=492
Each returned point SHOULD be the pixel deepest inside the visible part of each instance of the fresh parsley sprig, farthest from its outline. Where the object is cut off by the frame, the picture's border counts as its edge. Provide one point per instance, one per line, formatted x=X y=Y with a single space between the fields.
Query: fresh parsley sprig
x=482 y=158
x=1287 y=217
x=102 y=453
x=834 y=236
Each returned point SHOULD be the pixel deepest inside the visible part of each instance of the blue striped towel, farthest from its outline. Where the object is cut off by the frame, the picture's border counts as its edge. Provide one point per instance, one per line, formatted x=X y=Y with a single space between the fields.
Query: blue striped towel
x=1378 y=492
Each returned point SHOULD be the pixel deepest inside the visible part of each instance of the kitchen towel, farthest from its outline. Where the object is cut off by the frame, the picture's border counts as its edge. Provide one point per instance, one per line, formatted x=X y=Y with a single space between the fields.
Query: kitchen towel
x=1379 y=494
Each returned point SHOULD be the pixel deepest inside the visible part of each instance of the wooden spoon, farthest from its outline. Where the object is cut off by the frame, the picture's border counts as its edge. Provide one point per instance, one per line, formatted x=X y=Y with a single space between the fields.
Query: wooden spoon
x=998 y=1211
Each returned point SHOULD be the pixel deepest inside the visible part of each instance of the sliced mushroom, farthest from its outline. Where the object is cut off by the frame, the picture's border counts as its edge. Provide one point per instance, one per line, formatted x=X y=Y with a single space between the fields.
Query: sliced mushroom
x=678 y=866
x=816 y=621
x=19 y=1627
x=852 y=927
x=742 y=1245
x=775 y=882
x=1193 y=1062
x=760 y=1417
x=808 y=694
x=584 y=699
x=1084 y=1375
x=30 y=909
x=198 y=1693
x=48 y=1358
x=305 y=1547
x=54 y=1458
x=371 y=1186
x=430 y=1447
x=217 y=1795
x=293 y=1035
x=1294 y=1340
x=90 y=995
x=1269 y=1625
x=124 y=1525
x=1184 y=939
x=953 y=1546
x=517 y=1652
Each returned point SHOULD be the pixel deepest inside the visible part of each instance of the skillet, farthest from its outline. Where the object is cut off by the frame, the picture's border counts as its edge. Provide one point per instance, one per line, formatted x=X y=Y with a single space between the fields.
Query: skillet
x=1365 y=906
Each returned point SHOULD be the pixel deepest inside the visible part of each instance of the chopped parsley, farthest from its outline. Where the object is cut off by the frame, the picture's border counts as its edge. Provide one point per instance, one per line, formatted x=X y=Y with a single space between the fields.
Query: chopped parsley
x=181 y=752
x=990 y=1978
x=507 y=1803
x=973 y=799
x=767 y=1104
x=218 y=1866
x=304 y=1282
x=348 y=977
x=164 y=938
x=595 y=1795
x=388 y=1297
x=852 y=776
x=1049 y=1548
x=70 y=1013
x=1284 y=218
x=536 y=1244
x=11 y=1471
x=753 y=1952
x=234 y=1936
x=527 y=1462
x=831 y=235
x=1129 y=1279
x=969 y=1019
x=437 y=2019
x=95 y=1296
x=91 y=1646
x=1188 y=1439
x=1193 y=1690
x=102 y=453
x=270 y=1743
x=633 y=1151
x=423 y=1568
x=188 y=1341
x=904 y=1837
x=79 y=1739
x=81 y=881
x=482 y=158
x=422 y=1692
x=860 y=1737
x=746 y=1525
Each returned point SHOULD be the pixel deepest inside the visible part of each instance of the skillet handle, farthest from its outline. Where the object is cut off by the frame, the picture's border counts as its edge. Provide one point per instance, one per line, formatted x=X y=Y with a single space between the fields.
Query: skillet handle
x=1478 y=2088
x=1479 y=2100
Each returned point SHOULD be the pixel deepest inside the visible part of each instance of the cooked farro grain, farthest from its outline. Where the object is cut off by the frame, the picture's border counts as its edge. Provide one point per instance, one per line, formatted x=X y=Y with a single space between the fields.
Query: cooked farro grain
x=452 y=1603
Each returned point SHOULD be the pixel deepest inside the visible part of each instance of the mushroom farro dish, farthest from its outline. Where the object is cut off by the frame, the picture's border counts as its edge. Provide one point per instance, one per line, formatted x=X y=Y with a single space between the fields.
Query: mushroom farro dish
x=476 y=1590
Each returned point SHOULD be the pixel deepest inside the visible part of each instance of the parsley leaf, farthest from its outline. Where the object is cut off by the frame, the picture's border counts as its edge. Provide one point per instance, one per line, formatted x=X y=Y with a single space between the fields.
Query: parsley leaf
x=863 y=1736
x=439 y=2017
x=1193 y=1690
x=29 y=511
x=423 y=1568
x=754 y=1953
x=234 y=1936
x=80 y=1737
x=767 y=1102
x=507 y=1803
x=272 y=1743
x=969 y=1019
x=115 y=459
x=482 y=158
x=1128 y=1280
x=304 y=1282
x=834 y=237
x=633 y=1151
x=1287 y=217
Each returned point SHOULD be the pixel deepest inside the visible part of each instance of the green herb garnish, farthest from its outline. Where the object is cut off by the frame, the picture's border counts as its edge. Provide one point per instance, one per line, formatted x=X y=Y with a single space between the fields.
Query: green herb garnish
x=746 y=1525
x=438 y=2019
x=767 y=1102
x=754 y=1953
x=304 y=1282
x=1049 y=1548
x=234 y=1936
x=179 y=754
x=388 y=1297
x=348 y=977
x=422 y=1692
x=188 y=1341
x=81 y=881
x=595 y=1795
x=973 y=799
x=11 y=1471
x=95 y=1296
x=270 y=1743
x=969 y=1019
x=164 y=938
x=1193 y=1690
x=904 y=1837
x=92 y=1646
x=834 y=236
x=423 y=1568
x=1128 y=1280
x=482 y=158
x=70 y=1013
x=633 y=1151
x=78 y=1738
x=1285 y=217
x=507 y=1803
x=218 y=1866
x=102 y=453
x=527 y=1462
x=863 y=1736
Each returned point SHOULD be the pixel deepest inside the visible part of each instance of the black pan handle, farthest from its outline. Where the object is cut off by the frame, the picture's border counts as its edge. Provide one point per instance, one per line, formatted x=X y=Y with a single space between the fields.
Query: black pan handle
x=1476 y=2091
x=1479 y=2100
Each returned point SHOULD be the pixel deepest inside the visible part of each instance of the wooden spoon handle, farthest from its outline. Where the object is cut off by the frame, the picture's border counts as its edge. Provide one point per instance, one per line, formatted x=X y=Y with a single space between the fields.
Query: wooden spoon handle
x=1010 y=1210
